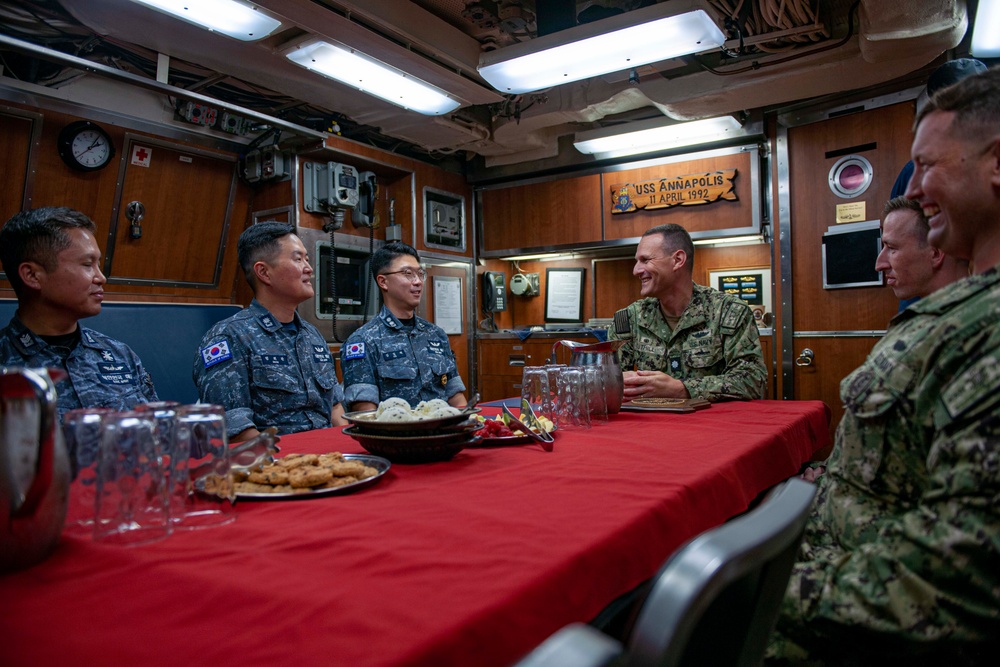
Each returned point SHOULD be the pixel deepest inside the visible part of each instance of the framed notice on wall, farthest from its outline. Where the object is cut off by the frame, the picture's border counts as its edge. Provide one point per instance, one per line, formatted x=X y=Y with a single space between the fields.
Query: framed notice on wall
x=752 y=285
x=448 y=304
x=564 y=295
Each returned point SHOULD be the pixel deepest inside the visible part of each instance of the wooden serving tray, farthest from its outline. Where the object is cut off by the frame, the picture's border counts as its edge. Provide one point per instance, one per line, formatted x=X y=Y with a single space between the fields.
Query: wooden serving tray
x=666 y=404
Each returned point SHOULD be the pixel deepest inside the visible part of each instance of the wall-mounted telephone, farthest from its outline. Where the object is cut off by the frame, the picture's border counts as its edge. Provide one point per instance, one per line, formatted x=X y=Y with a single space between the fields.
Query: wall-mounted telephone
x=494 y=291
x=364 y=214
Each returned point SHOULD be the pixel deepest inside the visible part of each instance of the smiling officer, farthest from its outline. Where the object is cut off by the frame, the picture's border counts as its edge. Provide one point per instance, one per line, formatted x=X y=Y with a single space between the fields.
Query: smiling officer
x=53 y=263
x=264 y=365
x=685 y=340
x=397 y=353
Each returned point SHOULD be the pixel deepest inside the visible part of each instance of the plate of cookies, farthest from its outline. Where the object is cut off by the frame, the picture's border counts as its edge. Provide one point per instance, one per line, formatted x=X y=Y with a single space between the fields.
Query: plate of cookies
x=295 y=476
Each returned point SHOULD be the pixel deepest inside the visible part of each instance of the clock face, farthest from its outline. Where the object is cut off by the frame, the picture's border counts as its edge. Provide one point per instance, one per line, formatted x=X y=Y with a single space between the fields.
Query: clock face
x=85 y=146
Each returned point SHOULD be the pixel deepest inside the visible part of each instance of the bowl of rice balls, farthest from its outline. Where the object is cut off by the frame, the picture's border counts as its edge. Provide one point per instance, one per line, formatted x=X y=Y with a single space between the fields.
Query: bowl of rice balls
x=429 y=431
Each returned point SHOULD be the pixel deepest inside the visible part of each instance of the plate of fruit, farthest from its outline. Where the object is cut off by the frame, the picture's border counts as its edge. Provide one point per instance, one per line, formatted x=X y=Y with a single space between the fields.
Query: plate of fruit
x=498 y=432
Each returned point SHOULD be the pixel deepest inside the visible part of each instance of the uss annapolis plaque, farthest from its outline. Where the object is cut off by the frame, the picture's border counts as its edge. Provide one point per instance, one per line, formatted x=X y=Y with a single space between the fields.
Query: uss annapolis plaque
x=686 y=190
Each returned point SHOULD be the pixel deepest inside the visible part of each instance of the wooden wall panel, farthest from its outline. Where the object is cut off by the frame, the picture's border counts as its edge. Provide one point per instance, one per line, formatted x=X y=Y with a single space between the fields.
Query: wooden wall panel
x=717 y=215
x=55 y=184
x=15 y=144
x=161 y=253
x=617 y=287
x=813 y=210
x=554 y=213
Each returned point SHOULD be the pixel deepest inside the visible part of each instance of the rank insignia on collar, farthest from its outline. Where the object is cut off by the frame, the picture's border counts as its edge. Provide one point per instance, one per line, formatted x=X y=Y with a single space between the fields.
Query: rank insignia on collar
x=26 y=340
x=267 y=321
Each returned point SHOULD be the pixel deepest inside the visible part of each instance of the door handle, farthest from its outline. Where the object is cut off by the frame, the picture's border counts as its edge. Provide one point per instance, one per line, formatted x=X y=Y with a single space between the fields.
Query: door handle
x=135 y=212
x=805 y=358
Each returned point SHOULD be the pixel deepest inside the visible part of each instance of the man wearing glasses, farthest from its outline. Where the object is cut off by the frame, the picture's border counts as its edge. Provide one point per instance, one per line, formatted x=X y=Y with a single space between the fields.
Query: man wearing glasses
x=397 y=353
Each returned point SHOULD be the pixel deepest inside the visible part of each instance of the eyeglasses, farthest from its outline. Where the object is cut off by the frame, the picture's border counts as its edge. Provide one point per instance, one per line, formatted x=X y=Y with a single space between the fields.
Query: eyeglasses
x=410 y=274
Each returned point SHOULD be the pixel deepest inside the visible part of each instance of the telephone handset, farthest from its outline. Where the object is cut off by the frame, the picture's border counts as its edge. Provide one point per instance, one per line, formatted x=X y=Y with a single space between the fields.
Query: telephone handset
x=494 y=291
x=364 y=214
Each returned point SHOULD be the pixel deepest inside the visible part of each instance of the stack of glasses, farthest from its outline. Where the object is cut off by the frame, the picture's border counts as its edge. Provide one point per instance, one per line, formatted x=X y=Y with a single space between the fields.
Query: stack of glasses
x=138 y=475
x=573 y=397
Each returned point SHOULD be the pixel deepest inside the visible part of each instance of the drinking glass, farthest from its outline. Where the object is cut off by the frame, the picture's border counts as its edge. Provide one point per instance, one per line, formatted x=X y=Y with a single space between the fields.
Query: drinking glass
x=572 y=405
x=82 y=432
x=535 y=389
x=131 y=506
x=552 y=370
x=173 y=461
x=207 y=496
x=597 y=397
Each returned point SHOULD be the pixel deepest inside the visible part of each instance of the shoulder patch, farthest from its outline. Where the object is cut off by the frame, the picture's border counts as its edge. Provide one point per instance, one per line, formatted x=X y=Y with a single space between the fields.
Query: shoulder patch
x=216 y=353
x=733 y=315
x=354 y=351
x=623 y=322
x=979 y=381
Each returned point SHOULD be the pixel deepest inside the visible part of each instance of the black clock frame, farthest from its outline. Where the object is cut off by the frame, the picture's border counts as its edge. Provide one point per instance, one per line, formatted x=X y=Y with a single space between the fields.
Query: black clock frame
x=65 y=144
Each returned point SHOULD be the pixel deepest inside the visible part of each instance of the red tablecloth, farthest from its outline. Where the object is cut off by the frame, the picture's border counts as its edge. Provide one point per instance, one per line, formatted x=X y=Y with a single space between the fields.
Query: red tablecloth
x=470 y=561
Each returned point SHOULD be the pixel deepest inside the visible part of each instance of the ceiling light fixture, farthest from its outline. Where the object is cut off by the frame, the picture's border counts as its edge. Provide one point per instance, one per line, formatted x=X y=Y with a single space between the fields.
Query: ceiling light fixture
x=986 y=31
x=621 y=42
x=654 y=135
x=747 y=239
x=239 y=20
x=349 y=66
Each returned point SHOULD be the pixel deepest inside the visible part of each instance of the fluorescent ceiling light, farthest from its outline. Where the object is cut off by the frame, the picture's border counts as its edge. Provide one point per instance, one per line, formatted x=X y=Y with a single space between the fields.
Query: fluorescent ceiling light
x=349 y=66
x=618 y=43
x=730 y=240
x=654 y=135
x=986 y=32
x=239 y=20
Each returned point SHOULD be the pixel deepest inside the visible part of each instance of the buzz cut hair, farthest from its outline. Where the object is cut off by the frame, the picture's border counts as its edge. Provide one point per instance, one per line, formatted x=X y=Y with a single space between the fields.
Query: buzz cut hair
x=675 y=238
x=260 y=243
x=975 y=101
x=921 y=228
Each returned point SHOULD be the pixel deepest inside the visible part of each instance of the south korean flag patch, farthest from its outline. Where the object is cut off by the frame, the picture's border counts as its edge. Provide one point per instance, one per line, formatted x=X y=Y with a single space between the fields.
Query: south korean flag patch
x=216 y=353
x=355 y=351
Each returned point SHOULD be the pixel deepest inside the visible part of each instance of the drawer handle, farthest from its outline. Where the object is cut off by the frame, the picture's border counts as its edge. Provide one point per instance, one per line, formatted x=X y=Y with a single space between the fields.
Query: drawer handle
x=515 y=360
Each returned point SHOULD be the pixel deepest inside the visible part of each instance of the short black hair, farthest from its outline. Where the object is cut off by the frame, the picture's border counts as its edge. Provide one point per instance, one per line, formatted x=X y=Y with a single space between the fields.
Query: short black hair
x=38 y=235
x=388 y=253
x=260 y=243
x=675 y=238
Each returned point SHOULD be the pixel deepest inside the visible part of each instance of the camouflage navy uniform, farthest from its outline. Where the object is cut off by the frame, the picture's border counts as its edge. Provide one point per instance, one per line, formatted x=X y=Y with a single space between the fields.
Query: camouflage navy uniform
x=715 y=349
x=102 y=372
x=265 y=374
x=902 y=551
x=383 y=358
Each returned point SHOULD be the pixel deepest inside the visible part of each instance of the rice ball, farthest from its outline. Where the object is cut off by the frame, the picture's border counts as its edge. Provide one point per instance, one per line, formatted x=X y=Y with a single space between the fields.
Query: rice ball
x=433 y=406
x=395 y=413
x=393 y=402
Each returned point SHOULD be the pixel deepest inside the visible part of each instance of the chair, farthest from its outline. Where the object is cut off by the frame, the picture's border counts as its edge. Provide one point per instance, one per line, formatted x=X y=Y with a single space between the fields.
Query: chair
x=714 y=602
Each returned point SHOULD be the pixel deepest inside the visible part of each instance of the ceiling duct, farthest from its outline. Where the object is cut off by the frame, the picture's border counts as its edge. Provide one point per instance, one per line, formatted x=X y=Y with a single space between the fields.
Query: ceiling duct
x=554 y=15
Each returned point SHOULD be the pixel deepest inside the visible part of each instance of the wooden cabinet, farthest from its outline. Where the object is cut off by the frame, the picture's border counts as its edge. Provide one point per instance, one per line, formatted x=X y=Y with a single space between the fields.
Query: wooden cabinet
x=502 y=360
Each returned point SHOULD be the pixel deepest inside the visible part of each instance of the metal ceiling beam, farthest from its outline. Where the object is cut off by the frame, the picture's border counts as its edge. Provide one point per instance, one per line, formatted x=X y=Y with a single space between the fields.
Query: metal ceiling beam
x=68 y=60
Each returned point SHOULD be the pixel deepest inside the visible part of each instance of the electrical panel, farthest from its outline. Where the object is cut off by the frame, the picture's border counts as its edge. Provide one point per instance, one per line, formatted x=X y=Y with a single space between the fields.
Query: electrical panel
x=329 y=186
x=444 y=220
x=199 y=114
x=233 y=124
x=273 y=163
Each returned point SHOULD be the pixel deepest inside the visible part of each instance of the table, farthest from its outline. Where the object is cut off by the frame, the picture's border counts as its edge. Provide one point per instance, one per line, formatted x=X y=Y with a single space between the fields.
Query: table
x=470 y=561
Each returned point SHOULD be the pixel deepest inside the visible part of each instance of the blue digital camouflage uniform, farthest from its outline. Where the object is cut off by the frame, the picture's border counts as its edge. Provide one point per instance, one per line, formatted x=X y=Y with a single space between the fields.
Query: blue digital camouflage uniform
x=901 y=558
x=383 y=358
x=715 y=349
x=102 y=372
x=265 y=374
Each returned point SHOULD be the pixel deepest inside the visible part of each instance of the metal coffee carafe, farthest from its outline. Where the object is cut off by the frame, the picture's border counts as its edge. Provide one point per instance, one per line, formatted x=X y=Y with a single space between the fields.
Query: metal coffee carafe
x=34 y=467
x=603 y=356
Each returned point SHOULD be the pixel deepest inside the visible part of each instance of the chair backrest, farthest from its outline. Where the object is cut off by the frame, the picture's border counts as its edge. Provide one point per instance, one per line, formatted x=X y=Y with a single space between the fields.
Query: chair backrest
x=716 y=600
x=166 y=336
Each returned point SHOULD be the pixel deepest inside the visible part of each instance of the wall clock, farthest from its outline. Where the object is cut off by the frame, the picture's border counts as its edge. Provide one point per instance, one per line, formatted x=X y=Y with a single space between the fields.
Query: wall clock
x=85 y=146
